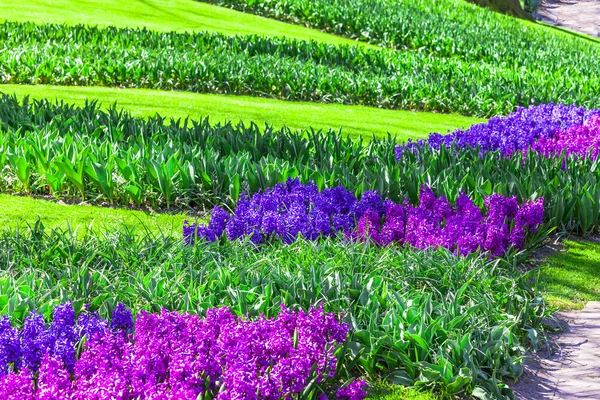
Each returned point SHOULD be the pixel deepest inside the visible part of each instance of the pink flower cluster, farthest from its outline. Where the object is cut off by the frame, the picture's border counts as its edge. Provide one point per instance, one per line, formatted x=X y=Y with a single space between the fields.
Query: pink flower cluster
x=581 y=140
x=463 y=227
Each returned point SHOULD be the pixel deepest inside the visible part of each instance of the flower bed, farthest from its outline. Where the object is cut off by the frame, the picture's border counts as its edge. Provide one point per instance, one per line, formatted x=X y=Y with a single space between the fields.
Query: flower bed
x=171 y=356
x=515 y=132
x=290 y=210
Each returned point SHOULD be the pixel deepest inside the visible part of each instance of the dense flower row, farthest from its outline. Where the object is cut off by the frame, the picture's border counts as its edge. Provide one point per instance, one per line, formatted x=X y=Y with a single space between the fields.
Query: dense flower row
x=291 y=209
x=515 y=132
x=171 y=356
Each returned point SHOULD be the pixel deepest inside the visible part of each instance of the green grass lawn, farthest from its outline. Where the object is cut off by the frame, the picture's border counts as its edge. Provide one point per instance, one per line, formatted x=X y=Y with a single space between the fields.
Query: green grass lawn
x=354 y=120
x=160 y=15
x=571 y=278
x=20 y=211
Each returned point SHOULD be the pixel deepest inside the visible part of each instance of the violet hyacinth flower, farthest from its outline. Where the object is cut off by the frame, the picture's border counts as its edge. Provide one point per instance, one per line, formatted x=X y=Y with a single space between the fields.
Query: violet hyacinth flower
x=286 y=211
x=36 y=340
x=368 y=225
x=10 y=348
x=17 y=386
x=528 y=219
x=122 y=319
x=353 y=391
x=462 y=228
x=393 y=229
x=90 y=324
x=54 y=382
x=63 y=335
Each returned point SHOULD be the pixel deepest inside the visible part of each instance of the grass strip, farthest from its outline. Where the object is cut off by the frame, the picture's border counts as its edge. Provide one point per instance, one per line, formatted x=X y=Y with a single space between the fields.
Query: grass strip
x=353 y=120
x=571 y=277
x=568 y=32
x=21 y=212
x=385 y=391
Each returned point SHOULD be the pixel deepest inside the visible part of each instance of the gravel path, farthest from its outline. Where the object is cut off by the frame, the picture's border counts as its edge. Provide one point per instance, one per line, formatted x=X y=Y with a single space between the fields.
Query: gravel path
x=574 y=371
x=576 y=15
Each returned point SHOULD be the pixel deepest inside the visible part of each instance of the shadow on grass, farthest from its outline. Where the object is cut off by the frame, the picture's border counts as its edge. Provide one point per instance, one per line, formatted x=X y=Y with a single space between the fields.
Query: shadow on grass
x=572 y=278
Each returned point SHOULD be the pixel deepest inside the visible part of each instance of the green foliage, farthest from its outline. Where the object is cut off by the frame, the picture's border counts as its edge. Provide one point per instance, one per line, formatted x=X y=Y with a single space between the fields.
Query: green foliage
x=570 y=186
x=127 y=160
x=280 y=68
x=571 y=277
x=428 y=319
x=445 y=28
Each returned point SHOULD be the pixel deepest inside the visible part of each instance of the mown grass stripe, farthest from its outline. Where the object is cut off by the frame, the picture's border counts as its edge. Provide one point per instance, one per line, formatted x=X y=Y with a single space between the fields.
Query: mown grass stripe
x=353 y=120
x=21 y=211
